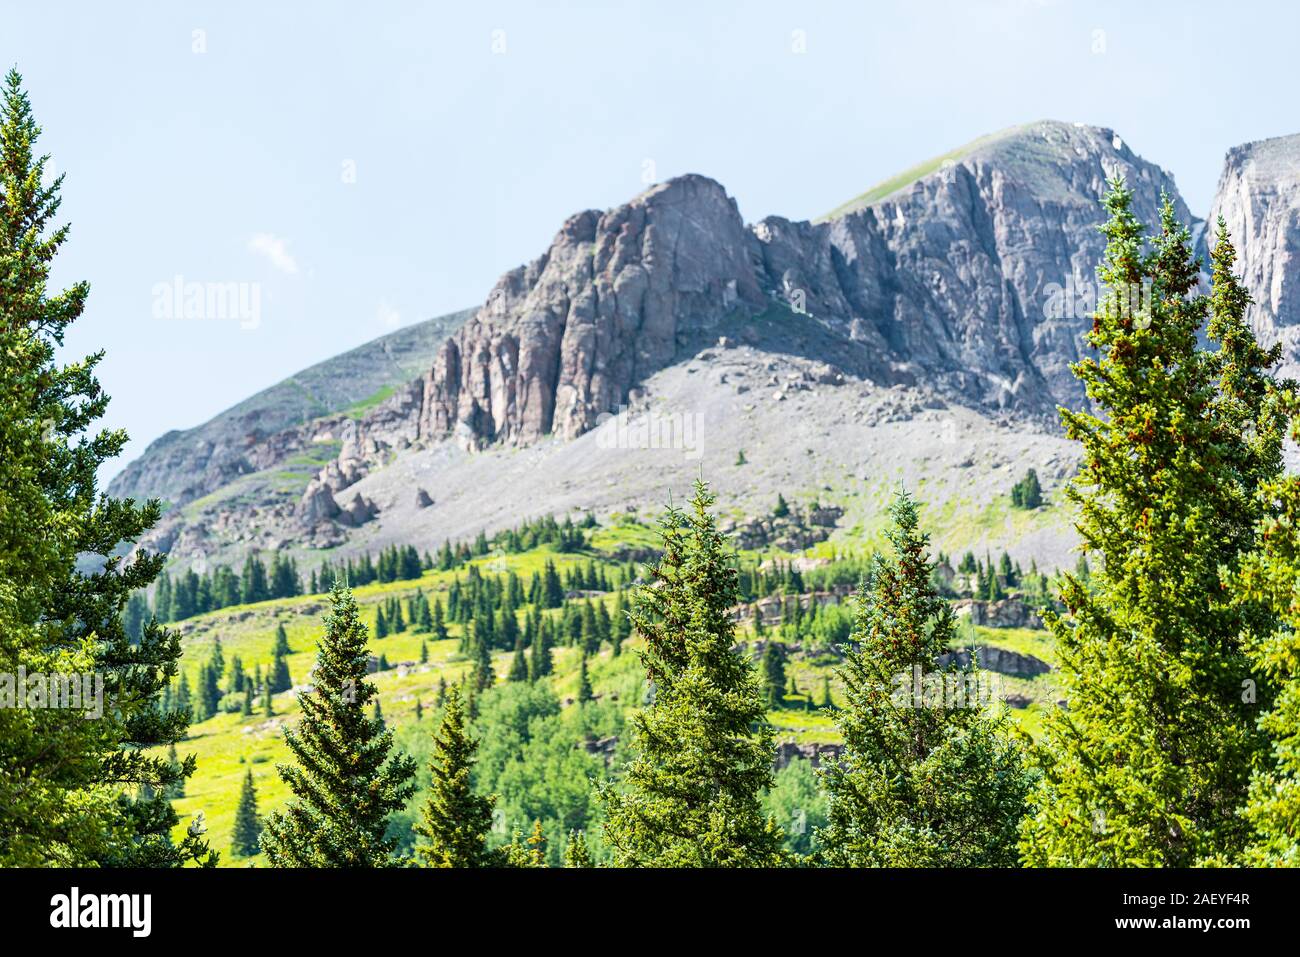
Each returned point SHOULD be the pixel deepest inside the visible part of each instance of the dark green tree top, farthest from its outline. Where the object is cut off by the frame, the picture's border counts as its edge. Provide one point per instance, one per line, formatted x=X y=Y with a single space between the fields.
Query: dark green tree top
x=345 y=780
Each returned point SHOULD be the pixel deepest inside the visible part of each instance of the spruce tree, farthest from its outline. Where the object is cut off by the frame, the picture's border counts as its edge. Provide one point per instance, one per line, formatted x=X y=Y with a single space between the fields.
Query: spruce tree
x=540 y=662
x=927 y=781
x=584 y=681
x=483 y=675
x=703 y=749
x=455 y=822
x=576 y=852
x=773 y=666
x=537 y=846
x=72 y=791
x=1267 y=582
x=1150 y=763
x=248 y=827
x=279 y=678
x=1270 y=574
x=518 y=664
x=345 y=781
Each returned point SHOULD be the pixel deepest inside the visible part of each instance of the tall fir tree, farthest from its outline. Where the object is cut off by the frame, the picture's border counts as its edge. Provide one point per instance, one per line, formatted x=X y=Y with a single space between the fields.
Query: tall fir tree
x=1150 y=762
x=773 y=665
x=72 y=791
x=248 y=827
x=924 y=780
x=703 y=748
x=1268 y=578
x=584 y=681
x=345 y=781
x=519 y=663
x=455 y=822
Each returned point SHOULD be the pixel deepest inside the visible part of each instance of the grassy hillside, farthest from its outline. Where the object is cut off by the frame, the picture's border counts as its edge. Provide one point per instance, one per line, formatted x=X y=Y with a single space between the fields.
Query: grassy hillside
x=229 y=744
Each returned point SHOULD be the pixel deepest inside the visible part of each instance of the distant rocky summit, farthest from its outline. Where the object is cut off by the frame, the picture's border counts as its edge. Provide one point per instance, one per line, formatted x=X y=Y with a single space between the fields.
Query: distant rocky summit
x=967 y=283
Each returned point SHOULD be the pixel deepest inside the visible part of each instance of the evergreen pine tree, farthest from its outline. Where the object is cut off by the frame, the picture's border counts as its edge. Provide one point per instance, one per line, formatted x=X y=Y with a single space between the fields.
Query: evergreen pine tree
x=1268 y=578
x=576 y=852
x=1151 y=761
x=923 y=781
x=703 y=749
x=345 y=781
x=455 y=822
x=248 y=827
x=540 y=663
x=584 y=682
x=279 y=678
x=281 y=646
x=773 y=667
x=537 y=846
x=519 y=664
x=483 y=676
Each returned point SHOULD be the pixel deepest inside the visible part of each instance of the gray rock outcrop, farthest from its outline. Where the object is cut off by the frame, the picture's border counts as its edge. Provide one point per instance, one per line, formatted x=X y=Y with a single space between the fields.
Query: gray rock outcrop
x=1259 y=199
x=971 y=280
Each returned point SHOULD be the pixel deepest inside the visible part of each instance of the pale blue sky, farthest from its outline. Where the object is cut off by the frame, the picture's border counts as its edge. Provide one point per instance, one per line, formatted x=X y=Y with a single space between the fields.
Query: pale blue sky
x=228 y=165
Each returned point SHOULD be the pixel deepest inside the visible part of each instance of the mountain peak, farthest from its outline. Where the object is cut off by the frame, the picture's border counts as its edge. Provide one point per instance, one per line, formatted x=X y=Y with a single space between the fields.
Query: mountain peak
x=1035 y=153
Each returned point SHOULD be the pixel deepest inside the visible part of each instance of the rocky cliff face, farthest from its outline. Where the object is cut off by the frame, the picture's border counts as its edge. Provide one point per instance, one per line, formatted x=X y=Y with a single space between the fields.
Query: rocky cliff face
x=971 y=282
x=1259 y=199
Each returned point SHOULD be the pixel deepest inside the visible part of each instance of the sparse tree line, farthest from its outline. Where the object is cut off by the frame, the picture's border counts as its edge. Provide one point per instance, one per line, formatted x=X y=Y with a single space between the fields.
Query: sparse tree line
x=1178 y=650
x=183 y=595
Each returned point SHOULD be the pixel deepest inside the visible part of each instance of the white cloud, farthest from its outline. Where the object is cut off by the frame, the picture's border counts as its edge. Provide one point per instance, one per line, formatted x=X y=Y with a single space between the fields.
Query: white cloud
x=274 y=250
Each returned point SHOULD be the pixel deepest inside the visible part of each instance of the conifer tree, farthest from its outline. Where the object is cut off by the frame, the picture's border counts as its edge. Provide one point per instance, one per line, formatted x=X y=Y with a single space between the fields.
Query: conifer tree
x=484 y=676
x=773 y=666
x=1268 y=577
x=72 y=791
x=933 y=782
x=1150 y=762
x=345 y=780
x=703 y=749
x=540 y=663
x=576 y=852
x=537 y=846
x=248 y=827
x=1270 y=574
x=519 y=664
x=584 y=682
x=455 y=822
x=279 y=678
